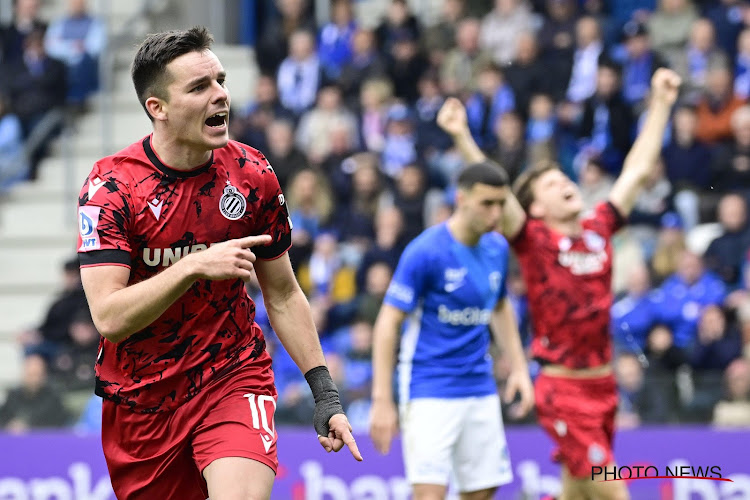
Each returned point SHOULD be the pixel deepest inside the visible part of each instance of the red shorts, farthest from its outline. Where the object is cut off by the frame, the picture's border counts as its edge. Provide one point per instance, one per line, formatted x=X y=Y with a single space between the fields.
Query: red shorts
x=579 y=415
x=162 y=455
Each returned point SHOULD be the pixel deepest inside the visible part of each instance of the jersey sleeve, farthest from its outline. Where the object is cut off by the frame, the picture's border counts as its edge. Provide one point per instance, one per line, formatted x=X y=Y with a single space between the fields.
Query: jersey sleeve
x=273 y=217
x=104 y=216
x=607 y=219
x=409 y=280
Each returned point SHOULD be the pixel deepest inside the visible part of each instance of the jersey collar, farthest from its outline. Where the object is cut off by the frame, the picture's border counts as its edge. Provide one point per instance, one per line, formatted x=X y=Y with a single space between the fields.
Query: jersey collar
x=151 y=154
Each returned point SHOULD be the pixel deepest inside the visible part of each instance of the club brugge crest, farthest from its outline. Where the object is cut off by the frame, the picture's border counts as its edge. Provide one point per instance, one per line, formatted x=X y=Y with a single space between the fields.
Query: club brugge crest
x=232 y=204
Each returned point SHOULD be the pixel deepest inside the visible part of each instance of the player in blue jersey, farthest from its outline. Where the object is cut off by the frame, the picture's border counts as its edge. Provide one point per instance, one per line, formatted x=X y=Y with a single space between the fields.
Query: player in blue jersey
x=448 y=293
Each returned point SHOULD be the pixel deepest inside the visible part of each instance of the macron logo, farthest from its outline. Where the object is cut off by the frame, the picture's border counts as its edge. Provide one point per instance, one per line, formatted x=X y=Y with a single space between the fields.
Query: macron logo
x=155 y=206
x=267 y=441
x=94 y=185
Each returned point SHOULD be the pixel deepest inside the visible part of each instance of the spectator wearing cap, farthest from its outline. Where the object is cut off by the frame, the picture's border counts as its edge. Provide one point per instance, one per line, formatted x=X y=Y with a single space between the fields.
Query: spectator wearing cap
x=400 y=148
x=670 y=244
x=639 y=63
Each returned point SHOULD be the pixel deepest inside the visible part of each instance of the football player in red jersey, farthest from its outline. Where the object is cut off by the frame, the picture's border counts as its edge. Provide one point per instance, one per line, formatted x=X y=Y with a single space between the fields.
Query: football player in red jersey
x=566 y=260
x=170 y=228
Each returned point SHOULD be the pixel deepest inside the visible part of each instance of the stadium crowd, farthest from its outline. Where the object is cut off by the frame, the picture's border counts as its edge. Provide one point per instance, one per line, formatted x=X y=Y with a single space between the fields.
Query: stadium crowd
x=345 y=113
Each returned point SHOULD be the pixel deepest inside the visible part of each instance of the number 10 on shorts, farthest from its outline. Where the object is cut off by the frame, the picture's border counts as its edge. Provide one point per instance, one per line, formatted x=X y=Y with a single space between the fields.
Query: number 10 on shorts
x=260 y=415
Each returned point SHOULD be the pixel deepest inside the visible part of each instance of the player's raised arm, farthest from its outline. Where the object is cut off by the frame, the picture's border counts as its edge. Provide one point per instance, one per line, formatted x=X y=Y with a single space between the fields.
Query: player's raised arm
x=383 y=415
x=119 y=310
x=291 y=319
x=452 y=119
x=505 y=332
x=640 y=160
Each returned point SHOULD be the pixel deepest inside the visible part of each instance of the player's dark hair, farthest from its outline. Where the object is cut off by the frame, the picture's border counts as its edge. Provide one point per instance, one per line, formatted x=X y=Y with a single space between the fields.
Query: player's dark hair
x=524 y=185
x=485 y=172
x=149 y=72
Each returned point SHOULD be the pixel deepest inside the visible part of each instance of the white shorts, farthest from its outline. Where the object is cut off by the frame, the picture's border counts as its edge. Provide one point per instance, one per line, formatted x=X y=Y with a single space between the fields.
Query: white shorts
x=458 y=438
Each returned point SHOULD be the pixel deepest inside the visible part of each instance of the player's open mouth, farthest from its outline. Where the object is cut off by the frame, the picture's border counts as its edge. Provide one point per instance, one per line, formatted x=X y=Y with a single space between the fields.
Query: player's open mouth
x=218 y=120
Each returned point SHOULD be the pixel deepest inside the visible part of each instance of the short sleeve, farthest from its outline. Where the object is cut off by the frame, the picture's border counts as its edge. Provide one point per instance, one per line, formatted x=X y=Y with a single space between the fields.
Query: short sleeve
x=409 y=280
x=104 y=217
x=607 y=219
x=273 y=217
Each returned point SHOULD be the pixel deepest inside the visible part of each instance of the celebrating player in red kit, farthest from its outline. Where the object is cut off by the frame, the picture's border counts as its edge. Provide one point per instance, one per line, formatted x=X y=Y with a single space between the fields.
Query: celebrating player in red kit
x=566 y=261
x=170 y=227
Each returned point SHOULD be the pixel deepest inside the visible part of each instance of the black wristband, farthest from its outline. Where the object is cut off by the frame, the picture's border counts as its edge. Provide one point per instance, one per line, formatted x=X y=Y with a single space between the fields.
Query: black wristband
x=326 y=395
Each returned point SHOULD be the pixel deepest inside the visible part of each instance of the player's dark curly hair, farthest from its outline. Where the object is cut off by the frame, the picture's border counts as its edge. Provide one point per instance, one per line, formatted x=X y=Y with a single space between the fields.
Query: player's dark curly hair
x=149 y=72
x=485 y=172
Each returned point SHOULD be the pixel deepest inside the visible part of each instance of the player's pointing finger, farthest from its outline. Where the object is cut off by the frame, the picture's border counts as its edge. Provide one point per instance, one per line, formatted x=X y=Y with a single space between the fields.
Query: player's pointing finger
x=255 y=240
x=352 y=444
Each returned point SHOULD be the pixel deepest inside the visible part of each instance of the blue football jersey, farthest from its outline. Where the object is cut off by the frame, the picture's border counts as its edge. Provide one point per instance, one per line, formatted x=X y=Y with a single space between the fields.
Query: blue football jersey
x=449 y=290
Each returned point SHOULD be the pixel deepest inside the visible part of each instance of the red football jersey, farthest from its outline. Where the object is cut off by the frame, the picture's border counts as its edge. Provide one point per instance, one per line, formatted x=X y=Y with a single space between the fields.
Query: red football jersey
x=134 y=211
x=569 y=281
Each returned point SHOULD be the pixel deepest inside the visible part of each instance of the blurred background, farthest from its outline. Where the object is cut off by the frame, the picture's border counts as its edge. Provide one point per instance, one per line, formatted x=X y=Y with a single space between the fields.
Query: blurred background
x=341 y=95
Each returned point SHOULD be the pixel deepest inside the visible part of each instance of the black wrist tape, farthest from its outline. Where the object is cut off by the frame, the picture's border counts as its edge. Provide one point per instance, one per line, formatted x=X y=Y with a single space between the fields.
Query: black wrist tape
x=326 y=395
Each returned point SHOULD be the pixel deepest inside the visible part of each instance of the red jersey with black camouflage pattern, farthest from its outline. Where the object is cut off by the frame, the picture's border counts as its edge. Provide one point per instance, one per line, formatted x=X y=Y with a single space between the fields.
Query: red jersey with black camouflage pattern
x=136 y=212
x=569 y=281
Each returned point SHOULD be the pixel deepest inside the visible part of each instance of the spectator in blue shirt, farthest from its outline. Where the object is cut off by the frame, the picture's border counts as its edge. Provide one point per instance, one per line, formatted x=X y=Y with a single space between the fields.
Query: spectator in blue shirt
x=682 y=297
x=633 y=315
x=494 y=97
x=335 y=39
